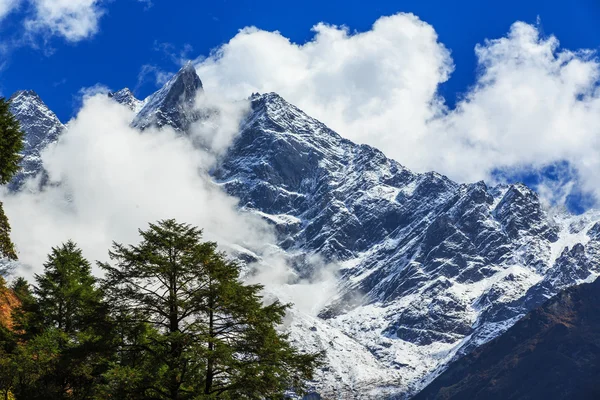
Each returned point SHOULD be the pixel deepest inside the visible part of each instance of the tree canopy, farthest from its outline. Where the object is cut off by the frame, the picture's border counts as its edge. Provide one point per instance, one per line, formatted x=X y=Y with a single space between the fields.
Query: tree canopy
x=170 y=320
x=212 y=335
x=11 y=144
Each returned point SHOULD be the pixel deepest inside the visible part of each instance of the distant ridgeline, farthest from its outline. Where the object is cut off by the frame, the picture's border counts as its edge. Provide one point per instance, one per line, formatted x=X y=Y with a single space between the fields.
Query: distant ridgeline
x=552 y=353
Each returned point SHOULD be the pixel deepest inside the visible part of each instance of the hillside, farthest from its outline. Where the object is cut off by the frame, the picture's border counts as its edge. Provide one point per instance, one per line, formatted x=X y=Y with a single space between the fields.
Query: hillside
x=552 y=353
x=8 y=302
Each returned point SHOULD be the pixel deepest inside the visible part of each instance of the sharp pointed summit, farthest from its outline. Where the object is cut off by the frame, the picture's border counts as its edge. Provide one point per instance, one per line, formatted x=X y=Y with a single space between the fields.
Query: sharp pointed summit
x=41 y=127
x=173 y=104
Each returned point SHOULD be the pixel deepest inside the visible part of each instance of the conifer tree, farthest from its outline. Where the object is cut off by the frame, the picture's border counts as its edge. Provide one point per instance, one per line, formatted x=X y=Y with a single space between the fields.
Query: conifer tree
x=212 y=336
x=11 y=144
x=65 y=331
x=22 y=289
x=66 y=293
x=7 y=248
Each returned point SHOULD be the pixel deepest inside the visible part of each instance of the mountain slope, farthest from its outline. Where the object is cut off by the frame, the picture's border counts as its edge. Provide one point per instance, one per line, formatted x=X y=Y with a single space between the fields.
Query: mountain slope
x=41 y=127
x=126 y=97
x=553 y=352
x=428 y=269
x=173 y=104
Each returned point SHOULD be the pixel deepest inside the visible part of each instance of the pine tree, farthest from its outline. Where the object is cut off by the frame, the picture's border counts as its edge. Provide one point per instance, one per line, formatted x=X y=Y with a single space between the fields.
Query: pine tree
x=212 y=336
x=22 y=289
x=65 y=331
x=66 y=292
x=7 y=249
x=22 y=315
x=11 y=144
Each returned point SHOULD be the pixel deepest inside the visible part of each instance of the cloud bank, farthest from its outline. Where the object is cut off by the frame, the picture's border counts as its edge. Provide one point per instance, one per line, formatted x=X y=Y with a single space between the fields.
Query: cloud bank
x=108 y=180
x=533 y=103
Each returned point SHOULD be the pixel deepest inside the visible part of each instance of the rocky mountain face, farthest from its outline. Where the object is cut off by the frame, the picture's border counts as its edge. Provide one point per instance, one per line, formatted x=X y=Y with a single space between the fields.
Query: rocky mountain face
x=428 y=269
x=552 y=353
x=126 y=97
x=41 y=127
x=173 y=104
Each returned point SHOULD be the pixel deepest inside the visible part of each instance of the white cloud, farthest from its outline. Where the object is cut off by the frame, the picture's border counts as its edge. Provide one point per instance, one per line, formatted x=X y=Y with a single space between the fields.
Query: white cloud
x=221 y=126
x=8 y=6
x=533 y=103
x=74 y=20
x=147 y=4
x=108 y=179
x=377 y=87
x=114 y=180
x=177 y=55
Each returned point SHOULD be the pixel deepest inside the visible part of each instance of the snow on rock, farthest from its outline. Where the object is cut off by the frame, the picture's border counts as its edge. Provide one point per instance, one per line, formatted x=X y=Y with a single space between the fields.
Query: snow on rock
x=429 y=268
x=127 y=98
x=41 y=128
x=173 y=104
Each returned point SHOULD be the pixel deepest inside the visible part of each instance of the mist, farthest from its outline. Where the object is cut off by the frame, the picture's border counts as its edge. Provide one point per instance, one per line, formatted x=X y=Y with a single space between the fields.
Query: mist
x=107 y=180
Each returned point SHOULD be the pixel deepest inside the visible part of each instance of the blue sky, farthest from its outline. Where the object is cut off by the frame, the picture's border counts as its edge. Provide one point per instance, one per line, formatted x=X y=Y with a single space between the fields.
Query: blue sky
x=57 y=57
x=131 y=34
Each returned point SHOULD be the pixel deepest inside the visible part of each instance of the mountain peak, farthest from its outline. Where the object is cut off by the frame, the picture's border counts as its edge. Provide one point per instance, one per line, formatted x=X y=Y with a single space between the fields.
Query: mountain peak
x=22 y=94
x=188 y=77
x=188 y=67
x=41 y=127
x=27 y=93
x=127 y=98
x=27 y=103
x=174 y=103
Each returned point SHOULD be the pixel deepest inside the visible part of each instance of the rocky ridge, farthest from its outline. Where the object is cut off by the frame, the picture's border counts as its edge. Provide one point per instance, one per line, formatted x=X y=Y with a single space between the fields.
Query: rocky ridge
x=429 y=269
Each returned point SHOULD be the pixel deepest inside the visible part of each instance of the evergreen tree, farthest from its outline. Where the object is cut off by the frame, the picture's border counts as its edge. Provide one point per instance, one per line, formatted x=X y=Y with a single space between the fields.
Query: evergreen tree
x=66 y=332
x=22 y=289
x=212 y=337
x=22 y=315
x=11 y=144
x=7 y=248
x=66 y=292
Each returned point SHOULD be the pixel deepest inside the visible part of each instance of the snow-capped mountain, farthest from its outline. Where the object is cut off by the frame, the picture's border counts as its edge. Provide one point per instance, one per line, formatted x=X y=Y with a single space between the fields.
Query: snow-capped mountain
x=41 y=127
x=173 y=104
x=428 y=268
x=551 y=353
x=126 y=97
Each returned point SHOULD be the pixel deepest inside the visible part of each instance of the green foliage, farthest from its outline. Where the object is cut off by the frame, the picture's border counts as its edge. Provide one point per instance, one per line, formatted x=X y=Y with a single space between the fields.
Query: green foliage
x=65 y=329
x=22 y=290
x=212 y=337
x=66 y=294
x=7 y=248
x=170 y=320
x=11 y=143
